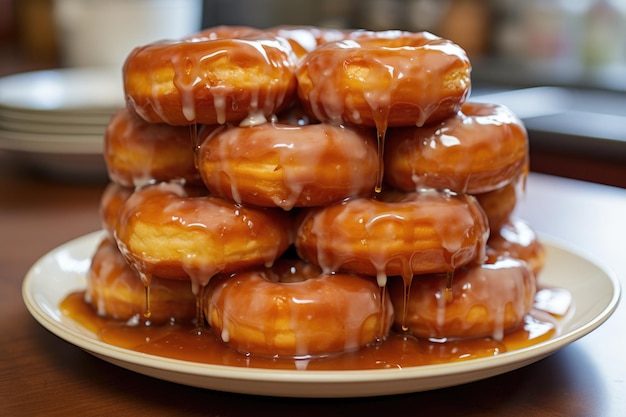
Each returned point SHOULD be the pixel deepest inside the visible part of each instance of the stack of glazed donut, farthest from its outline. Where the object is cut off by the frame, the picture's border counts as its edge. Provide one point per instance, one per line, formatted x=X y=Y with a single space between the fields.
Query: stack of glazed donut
x=303 y=191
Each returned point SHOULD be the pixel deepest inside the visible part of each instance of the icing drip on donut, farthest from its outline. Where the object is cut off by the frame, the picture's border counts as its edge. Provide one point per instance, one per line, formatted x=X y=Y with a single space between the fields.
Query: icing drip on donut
x=195 y=144
x=380 y=135
x=449 y=281
x=147 y=313
x=200 y=319
x=253 y=119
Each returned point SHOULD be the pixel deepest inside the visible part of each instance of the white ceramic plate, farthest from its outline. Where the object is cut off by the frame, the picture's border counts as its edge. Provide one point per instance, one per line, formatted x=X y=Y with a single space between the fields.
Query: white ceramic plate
x=65 y=157
x=51 y=143
x=594 y=289
x=75 y=90
x=57 y=119
x=38 y=127
x=53 y=121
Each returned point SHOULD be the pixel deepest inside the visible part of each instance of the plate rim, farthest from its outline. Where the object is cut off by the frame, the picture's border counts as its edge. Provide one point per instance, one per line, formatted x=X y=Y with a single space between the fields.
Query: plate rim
x=176 y=368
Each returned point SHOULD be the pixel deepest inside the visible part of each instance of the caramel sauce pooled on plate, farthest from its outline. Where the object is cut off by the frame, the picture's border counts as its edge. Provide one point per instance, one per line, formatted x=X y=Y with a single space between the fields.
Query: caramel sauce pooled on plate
x=188 y=342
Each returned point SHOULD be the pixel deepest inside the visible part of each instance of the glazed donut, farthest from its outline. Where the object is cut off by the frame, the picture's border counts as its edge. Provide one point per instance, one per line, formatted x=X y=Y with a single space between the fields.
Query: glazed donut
x=418 y=233
x=518 y=240
x=279 y=165
x=294 y=115
x=500 y=203
x=223 y=32
x=484 y=301
x=111 y=200
x=388 y=78
x=137 y=152
x=480 y=149
x=305 y=39
x=115 y=290
x=165 y=232
x=209 y=81
x=114 y=195
x=295 y=310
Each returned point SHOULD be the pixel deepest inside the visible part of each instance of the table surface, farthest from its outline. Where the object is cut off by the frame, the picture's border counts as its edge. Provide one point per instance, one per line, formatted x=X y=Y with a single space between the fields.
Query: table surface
x=41 y=374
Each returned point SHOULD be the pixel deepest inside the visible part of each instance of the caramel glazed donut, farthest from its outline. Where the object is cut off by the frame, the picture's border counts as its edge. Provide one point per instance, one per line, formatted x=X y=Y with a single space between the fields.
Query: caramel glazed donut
x=137 y=152
x=163 y=231
x=499 y=204
x=405 y=235
x=518 y=240
x=115 y=290
x=484 y=300
x=112 y=198
x=381 y=79
x=305 y=39
x=295 y=310
x=480 y=149
x=281 y=165
x=210 y=78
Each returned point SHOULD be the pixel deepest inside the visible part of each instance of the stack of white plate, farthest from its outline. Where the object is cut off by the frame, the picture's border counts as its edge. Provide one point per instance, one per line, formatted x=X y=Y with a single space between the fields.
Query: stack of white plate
x=55 y=120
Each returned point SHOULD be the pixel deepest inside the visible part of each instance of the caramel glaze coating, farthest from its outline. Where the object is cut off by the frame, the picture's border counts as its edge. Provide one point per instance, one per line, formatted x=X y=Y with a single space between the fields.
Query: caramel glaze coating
x=113 y=196
x=223 y=32
x=517 y=239
x=280 y=165
x=163 y=231
x=500 y=203
x=304 y=39
x=295 y=310
x=484 y=301
x=137 y=152
x=117 y=291
x=381 y=79
x=417 y=234
x=210 y=81
x=480 y=149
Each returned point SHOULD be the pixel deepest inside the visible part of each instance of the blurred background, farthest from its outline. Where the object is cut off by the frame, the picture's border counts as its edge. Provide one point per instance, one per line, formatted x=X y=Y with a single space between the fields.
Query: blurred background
x=577 y=48
x=564 y=41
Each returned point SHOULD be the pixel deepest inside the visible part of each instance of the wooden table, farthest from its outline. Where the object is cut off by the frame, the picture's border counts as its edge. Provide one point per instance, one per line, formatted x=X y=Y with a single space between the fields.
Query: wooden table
x=41 y=374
